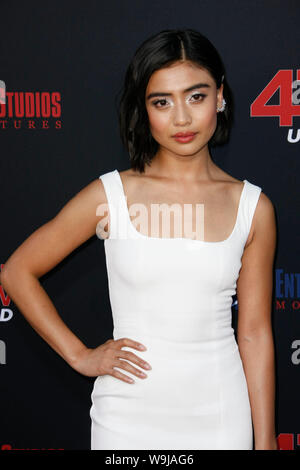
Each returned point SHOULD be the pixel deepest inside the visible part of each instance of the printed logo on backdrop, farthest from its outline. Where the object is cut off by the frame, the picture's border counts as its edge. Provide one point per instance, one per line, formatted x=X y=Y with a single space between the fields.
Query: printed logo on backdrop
x=287 y=291
x=6 y=315
x=288 y=441
x=287 y=105
x=29 y=110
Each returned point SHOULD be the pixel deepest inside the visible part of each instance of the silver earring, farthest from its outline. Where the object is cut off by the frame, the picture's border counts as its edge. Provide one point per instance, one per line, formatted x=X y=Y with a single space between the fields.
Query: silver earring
x=222 y=107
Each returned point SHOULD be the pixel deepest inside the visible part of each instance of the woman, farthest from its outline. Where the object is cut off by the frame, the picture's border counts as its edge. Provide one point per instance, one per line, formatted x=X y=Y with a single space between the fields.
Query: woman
x=171 y=294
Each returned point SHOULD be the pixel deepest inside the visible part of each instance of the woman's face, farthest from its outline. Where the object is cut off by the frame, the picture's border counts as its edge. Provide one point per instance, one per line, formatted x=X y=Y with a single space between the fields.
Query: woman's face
x=173 y=109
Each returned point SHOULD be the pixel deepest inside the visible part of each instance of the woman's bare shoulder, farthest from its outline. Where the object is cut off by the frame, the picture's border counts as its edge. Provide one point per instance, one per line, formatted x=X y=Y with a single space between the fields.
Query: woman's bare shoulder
x=130 y=173
x=131 y=179
x=222 y=175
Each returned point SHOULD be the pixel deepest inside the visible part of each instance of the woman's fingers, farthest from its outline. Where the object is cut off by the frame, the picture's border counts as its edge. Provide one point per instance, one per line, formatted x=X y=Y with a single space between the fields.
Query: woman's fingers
x=130 y=356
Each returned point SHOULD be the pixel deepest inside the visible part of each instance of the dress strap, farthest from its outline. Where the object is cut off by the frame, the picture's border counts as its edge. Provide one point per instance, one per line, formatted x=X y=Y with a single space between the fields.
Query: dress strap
x=248 y=206
x=115 y=202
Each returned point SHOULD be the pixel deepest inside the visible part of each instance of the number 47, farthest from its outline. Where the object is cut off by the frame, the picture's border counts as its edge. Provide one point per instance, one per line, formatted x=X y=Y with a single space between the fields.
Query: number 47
x=289 y=100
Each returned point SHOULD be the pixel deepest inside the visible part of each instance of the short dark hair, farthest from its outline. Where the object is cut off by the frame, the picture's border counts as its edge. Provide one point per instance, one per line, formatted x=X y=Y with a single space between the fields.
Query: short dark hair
x=156 y=52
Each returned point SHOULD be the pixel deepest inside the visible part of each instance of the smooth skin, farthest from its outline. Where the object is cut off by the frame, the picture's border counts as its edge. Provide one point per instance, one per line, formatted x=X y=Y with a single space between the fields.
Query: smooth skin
x=37 y=255
x=181 y=171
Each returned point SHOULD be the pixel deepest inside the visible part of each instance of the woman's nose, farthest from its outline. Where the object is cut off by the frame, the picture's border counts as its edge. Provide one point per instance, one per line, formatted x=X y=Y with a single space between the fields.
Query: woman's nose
x=181 y=114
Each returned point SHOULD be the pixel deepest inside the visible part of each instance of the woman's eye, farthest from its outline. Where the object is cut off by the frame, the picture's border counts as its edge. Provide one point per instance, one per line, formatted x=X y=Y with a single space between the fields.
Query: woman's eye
x=155 y=103
x=202 y=95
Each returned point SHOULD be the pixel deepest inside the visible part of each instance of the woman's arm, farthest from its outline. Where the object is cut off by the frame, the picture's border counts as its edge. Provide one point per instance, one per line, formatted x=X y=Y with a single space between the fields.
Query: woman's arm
x=39 y=253
x=254 y=331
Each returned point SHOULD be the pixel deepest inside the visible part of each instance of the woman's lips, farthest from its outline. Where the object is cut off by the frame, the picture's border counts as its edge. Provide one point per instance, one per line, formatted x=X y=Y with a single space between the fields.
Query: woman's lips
x=182 y=138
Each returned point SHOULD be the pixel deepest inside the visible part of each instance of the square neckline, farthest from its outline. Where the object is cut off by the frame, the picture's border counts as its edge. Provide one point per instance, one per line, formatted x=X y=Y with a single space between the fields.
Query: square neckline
x=146 y=237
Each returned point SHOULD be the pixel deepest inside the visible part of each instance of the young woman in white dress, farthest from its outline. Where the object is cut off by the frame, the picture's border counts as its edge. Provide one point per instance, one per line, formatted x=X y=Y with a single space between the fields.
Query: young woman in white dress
x=175 y=85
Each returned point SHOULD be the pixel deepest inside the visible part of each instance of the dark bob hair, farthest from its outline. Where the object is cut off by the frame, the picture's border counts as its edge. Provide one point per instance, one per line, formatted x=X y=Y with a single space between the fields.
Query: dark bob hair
x=160 y=51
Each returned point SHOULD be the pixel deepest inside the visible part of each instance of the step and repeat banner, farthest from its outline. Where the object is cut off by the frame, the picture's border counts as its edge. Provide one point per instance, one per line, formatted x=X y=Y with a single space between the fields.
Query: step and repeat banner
x=62 y=67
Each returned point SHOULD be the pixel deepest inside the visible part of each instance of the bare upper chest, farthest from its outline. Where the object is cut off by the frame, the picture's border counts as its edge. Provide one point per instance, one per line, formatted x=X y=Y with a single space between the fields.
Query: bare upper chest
x=204 y=211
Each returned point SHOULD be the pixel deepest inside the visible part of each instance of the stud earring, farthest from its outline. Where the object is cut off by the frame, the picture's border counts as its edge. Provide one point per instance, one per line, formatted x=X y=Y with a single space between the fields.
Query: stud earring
x=222 y=107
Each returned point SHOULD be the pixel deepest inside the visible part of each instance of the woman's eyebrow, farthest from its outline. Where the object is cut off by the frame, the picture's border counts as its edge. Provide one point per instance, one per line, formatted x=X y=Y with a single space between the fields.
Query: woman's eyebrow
x=193 y=87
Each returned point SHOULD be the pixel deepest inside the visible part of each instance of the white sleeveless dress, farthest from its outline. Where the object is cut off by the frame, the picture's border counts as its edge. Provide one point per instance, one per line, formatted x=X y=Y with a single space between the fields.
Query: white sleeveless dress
x=174 y=295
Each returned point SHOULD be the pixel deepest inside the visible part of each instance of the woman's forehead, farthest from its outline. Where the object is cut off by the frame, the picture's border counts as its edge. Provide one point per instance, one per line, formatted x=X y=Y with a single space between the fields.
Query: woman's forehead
x=177 y=78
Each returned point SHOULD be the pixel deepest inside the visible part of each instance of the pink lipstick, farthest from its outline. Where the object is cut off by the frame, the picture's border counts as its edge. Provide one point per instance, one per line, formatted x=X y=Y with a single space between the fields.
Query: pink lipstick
x=184 y=136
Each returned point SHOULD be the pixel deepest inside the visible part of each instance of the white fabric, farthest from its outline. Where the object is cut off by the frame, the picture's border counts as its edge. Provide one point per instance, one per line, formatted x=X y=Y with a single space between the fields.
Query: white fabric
x=174 y=296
